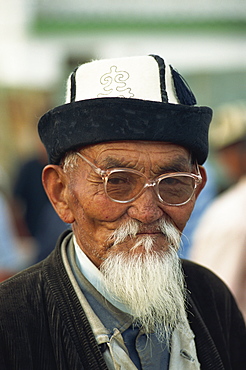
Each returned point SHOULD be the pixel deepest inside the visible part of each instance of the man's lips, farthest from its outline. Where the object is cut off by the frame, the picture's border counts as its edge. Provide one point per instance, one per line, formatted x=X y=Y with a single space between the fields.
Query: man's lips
x=149 y=232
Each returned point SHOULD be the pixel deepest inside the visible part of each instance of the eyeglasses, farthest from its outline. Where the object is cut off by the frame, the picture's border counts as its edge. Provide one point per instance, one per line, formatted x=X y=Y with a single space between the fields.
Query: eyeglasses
x=124 y=185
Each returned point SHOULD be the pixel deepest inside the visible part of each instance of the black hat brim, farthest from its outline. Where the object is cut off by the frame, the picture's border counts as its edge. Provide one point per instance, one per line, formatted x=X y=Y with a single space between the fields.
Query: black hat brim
x=93 y=121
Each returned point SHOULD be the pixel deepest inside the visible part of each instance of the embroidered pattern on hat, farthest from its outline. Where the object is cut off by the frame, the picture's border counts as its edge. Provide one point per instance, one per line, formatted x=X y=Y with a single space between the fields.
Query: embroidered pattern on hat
x=114 y=83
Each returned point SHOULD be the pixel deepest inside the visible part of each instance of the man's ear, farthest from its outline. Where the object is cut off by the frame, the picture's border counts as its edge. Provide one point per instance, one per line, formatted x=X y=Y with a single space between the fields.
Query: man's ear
x=56 y=187
x=203 y=183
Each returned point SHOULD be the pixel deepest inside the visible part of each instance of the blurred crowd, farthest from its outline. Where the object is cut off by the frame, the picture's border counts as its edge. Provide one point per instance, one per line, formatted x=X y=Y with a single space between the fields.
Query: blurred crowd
x=29 y=226
x=219 y=240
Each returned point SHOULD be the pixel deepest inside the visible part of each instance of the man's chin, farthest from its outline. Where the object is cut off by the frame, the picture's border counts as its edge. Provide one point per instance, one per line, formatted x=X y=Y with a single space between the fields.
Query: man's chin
x=142 y=243
x=146 y=243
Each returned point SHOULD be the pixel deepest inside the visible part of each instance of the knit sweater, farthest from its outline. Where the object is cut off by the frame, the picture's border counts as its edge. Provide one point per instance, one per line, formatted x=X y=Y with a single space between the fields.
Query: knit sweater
x=43 y=326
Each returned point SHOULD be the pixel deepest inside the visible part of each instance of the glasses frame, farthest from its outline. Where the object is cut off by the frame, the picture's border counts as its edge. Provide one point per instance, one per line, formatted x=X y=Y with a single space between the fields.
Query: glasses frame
x=149 y=183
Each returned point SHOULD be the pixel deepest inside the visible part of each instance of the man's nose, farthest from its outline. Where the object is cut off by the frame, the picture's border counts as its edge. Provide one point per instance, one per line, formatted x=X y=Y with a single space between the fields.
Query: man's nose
x=146 y=208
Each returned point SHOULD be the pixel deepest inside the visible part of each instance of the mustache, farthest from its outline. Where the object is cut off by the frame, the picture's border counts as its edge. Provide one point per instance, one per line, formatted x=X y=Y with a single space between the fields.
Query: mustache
x=133 y=228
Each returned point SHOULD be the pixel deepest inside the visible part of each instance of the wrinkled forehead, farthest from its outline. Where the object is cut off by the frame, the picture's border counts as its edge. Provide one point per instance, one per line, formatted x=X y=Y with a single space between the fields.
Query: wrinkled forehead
x=123 y=151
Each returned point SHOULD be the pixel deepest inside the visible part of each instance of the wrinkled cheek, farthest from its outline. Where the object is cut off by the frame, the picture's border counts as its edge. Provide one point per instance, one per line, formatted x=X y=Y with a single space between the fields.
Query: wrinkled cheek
x=186 y=215
x=104 y=210
x=180 y=215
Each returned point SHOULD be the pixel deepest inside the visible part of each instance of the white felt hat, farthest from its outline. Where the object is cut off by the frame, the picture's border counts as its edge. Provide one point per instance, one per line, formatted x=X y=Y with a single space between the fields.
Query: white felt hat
x=121 y=78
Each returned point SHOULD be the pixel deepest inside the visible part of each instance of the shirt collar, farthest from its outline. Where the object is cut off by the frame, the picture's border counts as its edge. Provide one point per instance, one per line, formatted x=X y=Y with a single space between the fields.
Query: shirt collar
x=95 y=277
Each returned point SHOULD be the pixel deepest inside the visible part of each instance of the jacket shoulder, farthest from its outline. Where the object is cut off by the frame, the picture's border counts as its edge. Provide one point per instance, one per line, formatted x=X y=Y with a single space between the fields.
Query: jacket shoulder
x=205 y=287
x=21 y=291
x=212 y=309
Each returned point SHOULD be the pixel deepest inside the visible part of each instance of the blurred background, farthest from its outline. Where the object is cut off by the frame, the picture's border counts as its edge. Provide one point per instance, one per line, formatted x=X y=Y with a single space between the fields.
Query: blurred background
x=41 y=41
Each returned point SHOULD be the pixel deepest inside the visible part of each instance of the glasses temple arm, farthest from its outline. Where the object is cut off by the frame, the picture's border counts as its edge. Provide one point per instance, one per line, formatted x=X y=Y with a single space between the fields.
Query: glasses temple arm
x=98 y=170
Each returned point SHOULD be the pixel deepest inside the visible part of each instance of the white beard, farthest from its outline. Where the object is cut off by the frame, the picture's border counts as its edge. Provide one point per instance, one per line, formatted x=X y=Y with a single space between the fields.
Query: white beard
x=150 y=284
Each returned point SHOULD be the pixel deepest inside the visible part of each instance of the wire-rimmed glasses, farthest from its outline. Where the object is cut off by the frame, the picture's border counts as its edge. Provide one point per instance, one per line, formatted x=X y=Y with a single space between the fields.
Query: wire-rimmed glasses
x=124 y=185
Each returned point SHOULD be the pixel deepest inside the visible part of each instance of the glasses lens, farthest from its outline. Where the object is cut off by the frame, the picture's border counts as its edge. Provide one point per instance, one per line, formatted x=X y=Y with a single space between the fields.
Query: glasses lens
x=123 y=185
x=176 y=189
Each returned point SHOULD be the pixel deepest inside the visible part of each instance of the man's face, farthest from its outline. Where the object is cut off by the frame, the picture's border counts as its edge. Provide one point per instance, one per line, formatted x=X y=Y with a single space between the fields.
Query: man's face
x=96 y=217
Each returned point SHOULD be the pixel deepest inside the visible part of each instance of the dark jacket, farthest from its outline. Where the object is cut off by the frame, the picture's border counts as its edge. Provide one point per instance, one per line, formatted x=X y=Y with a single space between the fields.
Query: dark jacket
x=43 y=326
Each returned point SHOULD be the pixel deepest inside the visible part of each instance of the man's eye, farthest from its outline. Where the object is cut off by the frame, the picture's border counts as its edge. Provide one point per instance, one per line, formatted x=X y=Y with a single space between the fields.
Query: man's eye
x=118 y=179
x=172 y=181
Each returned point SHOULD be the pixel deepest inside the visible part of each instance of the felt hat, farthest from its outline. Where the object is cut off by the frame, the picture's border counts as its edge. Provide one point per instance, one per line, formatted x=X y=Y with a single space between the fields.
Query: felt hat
x=229 y=125
x=133 y=98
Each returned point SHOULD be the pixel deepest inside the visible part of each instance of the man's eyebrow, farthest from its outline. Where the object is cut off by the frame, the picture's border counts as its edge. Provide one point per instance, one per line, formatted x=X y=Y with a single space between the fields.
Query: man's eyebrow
x=179 y=164
x=112 y=162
